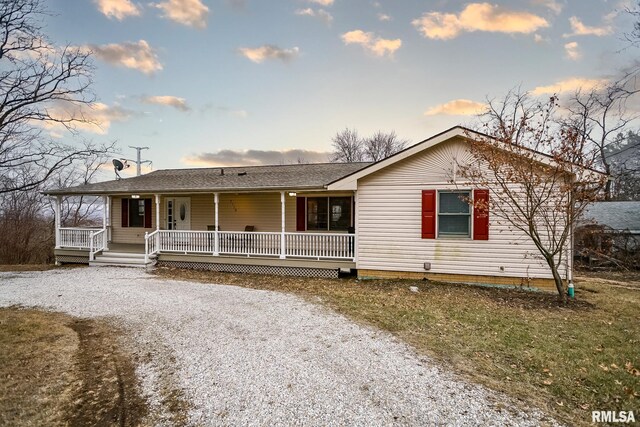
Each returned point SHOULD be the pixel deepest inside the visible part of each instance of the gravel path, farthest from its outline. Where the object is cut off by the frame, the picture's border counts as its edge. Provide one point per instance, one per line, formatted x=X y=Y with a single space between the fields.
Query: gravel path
x=251 y=357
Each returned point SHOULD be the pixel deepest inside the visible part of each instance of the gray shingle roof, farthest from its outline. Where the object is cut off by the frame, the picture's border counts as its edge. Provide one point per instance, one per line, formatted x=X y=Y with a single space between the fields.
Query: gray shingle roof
x=250 y=178
x=617 y=215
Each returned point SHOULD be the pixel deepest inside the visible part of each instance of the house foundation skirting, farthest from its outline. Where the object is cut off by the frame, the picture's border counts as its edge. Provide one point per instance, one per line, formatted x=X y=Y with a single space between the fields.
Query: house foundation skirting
x=253 y=269
x=72 y=259
x=524 y=283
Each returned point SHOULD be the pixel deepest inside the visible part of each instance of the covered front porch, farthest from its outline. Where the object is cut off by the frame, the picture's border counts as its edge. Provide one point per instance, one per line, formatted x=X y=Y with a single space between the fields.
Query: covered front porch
x=281 y=229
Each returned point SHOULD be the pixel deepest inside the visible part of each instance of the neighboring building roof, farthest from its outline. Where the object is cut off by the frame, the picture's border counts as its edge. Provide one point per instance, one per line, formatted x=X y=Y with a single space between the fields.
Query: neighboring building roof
x=250 y=178
x=617 y=215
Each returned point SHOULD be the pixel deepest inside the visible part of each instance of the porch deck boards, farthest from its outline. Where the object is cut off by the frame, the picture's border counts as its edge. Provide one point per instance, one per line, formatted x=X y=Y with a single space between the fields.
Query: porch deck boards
x=130 y=248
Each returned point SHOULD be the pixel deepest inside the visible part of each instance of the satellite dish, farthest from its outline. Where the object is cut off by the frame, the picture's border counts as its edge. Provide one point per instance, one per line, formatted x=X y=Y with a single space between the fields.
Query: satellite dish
x=118 y=165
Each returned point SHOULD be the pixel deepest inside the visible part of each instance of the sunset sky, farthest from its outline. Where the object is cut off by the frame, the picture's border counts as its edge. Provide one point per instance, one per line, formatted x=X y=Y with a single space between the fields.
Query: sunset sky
x=228 y=82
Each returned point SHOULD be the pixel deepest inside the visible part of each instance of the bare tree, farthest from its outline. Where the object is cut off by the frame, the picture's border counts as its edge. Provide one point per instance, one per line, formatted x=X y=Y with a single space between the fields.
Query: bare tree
x=623 y=156
x=26 y=216
x=634 y=36
x=600 y=114
x=382 y=145
x=348 y=147
x=540 y=179
x=41 y=86
x=77 y=211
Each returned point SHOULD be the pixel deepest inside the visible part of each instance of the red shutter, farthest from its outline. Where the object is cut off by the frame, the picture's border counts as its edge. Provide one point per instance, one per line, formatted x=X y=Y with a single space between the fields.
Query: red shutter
x=301 y=214
x=125 y=213
x=147 y=213
x=428 y=214
x=481 y=215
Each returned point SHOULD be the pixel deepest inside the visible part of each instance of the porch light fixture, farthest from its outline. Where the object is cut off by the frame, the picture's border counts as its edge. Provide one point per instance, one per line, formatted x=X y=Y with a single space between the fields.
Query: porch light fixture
x=135 y=196
x=292 y=194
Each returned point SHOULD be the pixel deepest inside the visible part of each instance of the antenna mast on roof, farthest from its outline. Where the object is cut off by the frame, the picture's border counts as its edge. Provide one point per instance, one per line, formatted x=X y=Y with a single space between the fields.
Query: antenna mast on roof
x=139 y=160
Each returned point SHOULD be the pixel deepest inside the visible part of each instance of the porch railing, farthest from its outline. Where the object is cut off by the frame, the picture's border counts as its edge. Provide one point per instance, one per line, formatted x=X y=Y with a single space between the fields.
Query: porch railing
x=97 y=242
x=296 y=245
x=254 y=243
x=77 y=238
x=316 y=245
x=151 y=244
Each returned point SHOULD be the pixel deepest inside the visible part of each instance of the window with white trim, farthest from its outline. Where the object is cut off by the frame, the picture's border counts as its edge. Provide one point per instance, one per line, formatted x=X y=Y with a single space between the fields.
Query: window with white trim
x=454 y=214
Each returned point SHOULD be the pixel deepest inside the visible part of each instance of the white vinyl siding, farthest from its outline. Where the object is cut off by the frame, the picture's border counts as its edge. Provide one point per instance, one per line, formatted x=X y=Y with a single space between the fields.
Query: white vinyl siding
x=389 y=224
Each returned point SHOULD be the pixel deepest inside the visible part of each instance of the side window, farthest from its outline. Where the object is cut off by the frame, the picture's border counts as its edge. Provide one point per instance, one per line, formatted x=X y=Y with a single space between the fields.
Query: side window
x=454 y=214
x=317 y=213
x=328 y=213
x=340 y=212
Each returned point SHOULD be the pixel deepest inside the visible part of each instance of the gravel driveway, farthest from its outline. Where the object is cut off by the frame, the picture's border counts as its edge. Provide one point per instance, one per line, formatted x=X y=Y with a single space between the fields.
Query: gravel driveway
x=252 y=357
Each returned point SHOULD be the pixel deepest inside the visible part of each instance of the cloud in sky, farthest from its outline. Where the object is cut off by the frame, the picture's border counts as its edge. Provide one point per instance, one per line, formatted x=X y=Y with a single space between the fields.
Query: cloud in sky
x=192 y=13
x=135 y=55
x=477 y=17
x=371 y=43
x=322 y=2
x=320 y=14
x=262 y=53
x=167 y=100
x=569 y=84
x=573 y=51
x=118 y=9
x=96 y=117
x=255 y=157
x=383 y=17
x=553 y=5
x=457 y=107
x=580 y=29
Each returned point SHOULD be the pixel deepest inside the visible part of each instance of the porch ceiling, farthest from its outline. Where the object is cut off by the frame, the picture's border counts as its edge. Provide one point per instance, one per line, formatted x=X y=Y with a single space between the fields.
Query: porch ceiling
x=252 y=178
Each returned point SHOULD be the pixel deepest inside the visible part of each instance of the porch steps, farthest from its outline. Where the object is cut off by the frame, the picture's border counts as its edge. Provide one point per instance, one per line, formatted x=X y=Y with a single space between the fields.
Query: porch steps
x=120 y=259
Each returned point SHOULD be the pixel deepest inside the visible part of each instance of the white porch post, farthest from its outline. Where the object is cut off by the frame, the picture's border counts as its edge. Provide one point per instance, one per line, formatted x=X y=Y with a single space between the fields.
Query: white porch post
x=104 y=222
x=157 y=197
x=216 y=243
x=282 y=236
x=157 y=212
x=56 y=212
x=355 y=226
x=108 y=218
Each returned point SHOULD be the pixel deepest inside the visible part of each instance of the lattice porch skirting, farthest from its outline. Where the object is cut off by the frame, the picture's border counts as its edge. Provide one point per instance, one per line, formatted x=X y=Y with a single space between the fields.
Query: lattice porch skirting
x=254 y=269
x=72 y=259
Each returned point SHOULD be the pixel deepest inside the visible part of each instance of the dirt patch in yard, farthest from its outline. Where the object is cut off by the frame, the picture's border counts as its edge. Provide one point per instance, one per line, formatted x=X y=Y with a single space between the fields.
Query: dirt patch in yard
x=565 y=359
x=60 y=370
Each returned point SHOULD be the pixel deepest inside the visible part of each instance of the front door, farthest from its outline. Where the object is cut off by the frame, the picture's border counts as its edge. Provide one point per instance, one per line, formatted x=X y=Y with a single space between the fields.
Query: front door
x=179 y=213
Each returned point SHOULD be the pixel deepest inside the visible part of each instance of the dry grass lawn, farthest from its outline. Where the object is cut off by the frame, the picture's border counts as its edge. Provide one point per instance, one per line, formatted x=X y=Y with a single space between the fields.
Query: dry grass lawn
x=57 y=371
x=567 y=360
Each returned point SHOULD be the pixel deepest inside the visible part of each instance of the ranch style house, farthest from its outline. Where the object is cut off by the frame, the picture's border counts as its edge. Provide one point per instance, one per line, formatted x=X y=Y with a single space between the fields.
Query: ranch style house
x=401 y=217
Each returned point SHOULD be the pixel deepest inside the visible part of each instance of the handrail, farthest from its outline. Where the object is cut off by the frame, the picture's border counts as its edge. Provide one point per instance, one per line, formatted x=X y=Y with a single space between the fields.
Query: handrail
x=97 y=242
x=151 y=244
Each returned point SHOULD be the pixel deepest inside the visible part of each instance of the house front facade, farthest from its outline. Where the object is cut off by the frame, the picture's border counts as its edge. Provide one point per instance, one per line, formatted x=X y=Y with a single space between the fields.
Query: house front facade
x=405 y=216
